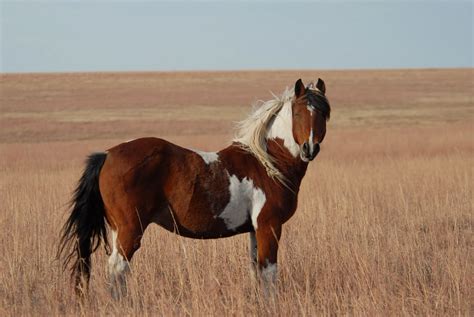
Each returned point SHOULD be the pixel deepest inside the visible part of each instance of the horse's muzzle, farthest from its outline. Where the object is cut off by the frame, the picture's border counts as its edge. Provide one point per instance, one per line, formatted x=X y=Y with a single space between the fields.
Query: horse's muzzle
x=309 y=151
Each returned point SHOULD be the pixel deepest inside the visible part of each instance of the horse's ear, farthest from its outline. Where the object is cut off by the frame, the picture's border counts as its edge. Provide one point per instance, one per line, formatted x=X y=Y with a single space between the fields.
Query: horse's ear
x=299 y=88
x=321 y=86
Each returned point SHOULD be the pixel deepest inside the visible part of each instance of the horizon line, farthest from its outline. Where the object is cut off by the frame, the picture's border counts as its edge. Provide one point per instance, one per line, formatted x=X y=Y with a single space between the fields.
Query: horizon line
x=237 y=70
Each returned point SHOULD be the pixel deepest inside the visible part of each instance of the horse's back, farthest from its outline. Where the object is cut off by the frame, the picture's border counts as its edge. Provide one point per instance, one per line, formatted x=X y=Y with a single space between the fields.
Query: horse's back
x=133 y=152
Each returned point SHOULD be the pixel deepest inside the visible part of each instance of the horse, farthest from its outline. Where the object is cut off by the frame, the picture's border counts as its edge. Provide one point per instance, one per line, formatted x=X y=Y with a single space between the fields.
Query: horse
x=251 y=186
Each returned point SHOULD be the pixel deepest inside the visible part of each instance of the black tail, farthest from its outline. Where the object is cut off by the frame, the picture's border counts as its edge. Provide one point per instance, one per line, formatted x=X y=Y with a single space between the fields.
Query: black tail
x=85 y=227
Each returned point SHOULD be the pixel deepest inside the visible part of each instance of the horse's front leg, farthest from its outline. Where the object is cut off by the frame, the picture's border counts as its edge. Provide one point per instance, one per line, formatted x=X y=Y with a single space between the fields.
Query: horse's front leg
x=268 y=234
x=253 y=254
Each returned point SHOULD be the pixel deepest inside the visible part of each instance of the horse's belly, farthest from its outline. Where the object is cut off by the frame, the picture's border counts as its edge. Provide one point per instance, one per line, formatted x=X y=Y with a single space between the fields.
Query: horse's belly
x=221 y=205
x=196 y=228
x=201 y=223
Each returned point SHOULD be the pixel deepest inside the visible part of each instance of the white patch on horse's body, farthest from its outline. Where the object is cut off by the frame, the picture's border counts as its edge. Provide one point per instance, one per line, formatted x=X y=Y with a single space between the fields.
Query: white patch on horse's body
x=282 y=128
x=245 y=198
x=208 y=157
x=118 y=266
x=259 y=200
x=128 y=141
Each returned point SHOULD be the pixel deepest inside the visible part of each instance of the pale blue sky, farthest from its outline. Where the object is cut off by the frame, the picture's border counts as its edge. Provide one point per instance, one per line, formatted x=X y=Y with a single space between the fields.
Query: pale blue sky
x=189 y=35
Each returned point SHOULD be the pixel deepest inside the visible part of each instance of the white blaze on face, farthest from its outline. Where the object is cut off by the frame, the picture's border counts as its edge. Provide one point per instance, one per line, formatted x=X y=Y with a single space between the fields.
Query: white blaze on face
x=310 y=141
x=245 y=198
x=208 y=157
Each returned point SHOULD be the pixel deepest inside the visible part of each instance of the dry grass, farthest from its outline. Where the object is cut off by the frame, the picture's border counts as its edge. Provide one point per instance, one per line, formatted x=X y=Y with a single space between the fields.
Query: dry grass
x=384 y=224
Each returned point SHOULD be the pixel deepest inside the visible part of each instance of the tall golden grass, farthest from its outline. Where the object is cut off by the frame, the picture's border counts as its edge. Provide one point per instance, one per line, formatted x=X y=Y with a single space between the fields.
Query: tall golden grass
x=373 y=234
x=383 y=226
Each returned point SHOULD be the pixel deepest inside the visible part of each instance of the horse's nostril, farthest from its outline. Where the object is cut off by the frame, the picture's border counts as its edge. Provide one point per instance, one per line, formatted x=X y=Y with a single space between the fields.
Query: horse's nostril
x=305 y=147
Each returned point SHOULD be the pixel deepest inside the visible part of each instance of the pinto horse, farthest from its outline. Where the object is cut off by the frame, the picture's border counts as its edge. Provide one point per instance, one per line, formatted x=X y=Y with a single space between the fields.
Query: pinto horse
x=251 y=186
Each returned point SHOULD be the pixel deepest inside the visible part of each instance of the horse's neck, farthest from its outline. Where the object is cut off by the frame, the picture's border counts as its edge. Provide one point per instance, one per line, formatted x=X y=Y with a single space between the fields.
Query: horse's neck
x=293 y=168
x=282 y=146
x=282 y=128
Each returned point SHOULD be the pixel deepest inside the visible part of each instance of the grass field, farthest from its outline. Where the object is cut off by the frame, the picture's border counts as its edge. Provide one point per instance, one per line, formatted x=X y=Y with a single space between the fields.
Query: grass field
x=383 y=226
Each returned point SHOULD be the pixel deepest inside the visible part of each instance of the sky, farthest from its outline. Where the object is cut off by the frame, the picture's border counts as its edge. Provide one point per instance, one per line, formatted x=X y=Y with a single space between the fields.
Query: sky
x=64 y=36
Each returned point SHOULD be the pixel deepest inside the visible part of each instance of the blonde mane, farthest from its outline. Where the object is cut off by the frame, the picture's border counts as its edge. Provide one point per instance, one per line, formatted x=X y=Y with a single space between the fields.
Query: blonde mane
x=251 y=132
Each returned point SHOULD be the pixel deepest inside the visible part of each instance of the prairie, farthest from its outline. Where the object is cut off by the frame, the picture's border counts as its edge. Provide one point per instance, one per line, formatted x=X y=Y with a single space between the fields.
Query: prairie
x=384 y=220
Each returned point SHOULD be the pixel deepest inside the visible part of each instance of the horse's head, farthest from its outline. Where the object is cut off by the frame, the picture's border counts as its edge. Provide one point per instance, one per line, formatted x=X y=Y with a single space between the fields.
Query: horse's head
x=310 y=110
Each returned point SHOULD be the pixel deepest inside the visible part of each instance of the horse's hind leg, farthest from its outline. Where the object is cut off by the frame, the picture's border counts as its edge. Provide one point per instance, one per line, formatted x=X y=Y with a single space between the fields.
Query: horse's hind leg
x=125 y=242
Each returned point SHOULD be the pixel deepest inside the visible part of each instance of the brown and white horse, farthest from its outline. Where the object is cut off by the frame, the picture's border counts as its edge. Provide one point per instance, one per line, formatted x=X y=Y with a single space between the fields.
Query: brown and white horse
x=251 y=186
